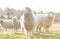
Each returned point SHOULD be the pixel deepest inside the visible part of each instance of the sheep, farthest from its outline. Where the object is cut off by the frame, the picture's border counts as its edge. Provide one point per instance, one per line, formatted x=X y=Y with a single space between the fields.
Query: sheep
x=28 y=22
x=16 y=23
x=45 y=21
x=11 y=24
x=36 y=17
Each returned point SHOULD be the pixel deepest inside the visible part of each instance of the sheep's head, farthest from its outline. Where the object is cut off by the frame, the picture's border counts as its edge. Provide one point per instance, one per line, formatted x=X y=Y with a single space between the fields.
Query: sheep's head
x=51 y=16
x=27 y=10
x=14 y=19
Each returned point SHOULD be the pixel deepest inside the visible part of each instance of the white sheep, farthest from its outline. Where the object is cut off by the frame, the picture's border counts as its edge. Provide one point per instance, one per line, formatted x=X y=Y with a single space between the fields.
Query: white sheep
x=11 y=24
x=45 y=21
x=36 y=17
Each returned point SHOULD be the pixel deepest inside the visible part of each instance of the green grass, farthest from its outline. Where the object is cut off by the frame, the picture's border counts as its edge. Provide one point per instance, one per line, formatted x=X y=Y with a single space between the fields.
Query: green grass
x=21 y=35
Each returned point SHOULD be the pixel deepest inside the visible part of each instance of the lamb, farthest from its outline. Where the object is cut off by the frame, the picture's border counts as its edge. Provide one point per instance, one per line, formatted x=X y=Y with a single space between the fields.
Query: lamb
x=11 y=24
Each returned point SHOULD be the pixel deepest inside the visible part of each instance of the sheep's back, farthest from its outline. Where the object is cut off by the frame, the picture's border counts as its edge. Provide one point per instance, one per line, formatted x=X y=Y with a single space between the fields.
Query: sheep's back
x=7 y=24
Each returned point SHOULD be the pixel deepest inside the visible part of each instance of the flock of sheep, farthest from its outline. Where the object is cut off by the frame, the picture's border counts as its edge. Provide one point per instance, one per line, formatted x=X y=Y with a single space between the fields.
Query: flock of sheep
x=29 y=22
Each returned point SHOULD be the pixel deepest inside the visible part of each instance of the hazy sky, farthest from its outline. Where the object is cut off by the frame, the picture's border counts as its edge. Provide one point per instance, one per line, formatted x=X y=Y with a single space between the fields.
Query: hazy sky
x=43 y=5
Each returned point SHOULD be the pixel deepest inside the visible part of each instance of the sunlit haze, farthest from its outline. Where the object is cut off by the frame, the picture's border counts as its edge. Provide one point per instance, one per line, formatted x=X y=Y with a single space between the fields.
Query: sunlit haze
x=42 y=5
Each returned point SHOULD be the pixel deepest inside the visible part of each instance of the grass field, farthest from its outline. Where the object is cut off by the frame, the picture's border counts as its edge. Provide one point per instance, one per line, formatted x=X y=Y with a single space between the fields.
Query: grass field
x=21 y=35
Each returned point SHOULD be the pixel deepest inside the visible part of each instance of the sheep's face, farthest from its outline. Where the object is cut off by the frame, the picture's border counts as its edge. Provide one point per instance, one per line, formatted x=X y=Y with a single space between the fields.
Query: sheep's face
x=14 y=18
x=50 y=18
x=27 y=10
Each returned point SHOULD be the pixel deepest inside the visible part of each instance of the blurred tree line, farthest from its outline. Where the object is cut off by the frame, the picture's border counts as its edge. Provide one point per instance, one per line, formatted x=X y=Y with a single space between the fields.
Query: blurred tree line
x=57 y=17
x=8 y=13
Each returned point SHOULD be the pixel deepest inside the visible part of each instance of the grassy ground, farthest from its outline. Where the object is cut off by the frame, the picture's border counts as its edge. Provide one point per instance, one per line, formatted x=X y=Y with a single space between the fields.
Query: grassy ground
x=41 y=35
x=21 y=35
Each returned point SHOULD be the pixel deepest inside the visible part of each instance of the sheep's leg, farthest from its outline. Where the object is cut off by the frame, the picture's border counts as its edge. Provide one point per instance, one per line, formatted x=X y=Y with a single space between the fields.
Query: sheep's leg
x=6 y=29
x=26 y=34
x=46 y=29
x=39 y=28
x=34 y=29
x=15 y=30
x=22 y=29
x=30 y=35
